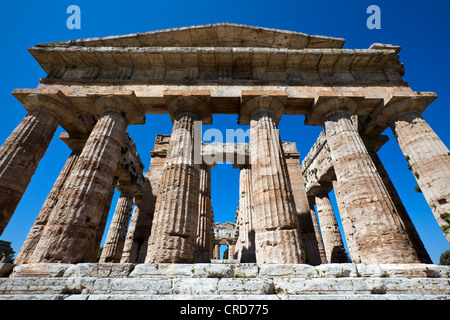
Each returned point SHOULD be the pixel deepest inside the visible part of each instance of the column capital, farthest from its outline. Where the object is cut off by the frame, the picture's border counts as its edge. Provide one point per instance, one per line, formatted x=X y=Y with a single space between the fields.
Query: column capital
x=328 y=103
x=398 y=105
x=197 y=102
x=125 y=103
x=253 y=102
x=57 y=108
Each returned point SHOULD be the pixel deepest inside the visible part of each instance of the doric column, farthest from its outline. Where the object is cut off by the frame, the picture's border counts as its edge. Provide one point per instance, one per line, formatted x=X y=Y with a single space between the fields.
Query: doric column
x=71 y=232
x=318 y=235
x=411 y=232
x=347 y=225
x=379 y=233
x=174 y=229
x=277 y=238
x=332 y=240
x=115 y=239
x=246 y=229
x=427 y=156
x=309 y=237
x=204 y=240
x=24 y=148
x=52 y=199
x=216 y=251
x=136 y=244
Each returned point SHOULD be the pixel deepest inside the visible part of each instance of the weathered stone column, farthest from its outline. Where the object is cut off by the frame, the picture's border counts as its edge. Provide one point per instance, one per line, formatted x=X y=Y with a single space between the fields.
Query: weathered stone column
x=332 y=240
x=115 y=239
x=310 y=238
x=246 y=229
x=277 y=238
x=318 y=235
x=52 y=199
x=372 y=146
x=174 y=229
x=204 y=241
x=347 y=225
x=379 y=233
x=136 y=244
x=24 y=148
x=216 y=251
x=426 y=154
x=72 y=230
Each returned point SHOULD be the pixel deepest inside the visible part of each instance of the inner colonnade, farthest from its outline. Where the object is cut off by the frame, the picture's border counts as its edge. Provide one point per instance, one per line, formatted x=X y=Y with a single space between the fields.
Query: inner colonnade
x=95 y=88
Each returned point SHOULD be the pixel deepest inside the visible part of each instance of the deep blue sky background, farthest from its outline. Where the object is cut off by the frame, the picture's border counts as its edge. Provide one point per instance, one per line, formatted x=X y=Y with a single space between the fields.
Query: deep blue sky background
x=420 y=27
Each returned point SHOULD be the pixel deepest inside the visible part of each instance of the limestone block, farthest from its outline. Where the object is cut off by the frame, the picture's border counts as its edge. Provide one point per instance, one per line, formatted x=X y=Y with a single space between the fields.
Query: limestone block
x=100 y=270
x=287 y=270
x=249 y=286
x=193 y=286
x=365 y=270
x=40 y=270
x=162 y=270
x=337 y=270
x=130 y=286
x=212 y=270
x=245 y=270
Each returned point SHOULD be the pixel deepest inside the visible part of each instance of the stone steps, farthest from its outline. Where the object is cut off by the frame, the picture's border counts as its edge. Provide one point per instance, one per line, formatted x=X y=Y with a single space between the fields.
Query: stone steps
x=111 y=281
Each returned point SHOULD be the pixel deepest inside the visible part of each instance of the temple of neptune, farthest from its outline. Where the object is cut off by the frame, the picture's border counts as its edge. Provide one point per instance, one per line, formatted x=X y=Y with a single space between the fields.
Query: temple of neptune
x=96 y=88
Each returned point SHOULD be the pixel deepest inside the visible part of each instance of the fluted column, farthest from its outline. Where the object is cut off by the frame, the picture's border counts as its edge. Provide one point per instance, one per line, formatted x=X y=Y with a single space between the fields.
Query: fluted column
x=71 y=232
x=174 y=229
x=246 y=229
x=23 y=149
x=115 y=239
x=332 y=240
x=427 y=156
x=52 y=199
x=379 y=233
x=277 y=238
x=318 y=235
x=203 y=243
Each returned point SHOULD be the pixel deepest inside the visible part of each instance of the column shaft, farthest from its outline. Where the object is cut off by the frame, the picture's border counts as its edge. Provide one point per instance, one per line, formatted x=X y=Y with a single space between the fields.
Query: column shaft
x=429 y=160
x=19 y=157
x=246 y=229
x=411 y=231
x=379 y=233
x=115 y=239
x=277 y=237
x=204 y=241
x=173 y=235
x=52 y=199
x=332 y=240
x=71 y=231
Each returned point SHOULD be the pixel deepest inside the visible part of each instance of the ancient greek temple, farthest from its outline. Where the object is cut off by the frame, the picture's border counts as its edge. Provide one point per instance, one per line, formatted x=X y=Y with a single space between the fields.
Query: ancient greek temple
x=96 y=88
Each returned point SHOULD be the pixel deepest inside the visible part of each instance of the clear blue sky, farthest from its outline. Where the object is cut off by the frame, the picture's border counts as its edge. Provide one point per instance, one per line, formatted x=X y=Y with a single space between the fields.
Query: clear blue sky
x=420 y=27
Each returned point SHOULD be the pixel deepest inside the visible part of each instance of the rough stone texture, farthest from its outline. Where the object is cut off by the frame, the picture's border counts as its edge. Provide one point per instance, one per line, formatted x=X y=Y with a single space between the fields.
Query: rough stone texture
x=72 y=228
x=332 y=240
x=204 y=245
x=306 y=220
x=277 y=238
x=173 y=235
x=429 y=160
x=245 y=246
x=135 y=249
x=36 y=230
x=112 y=281
x=115 y=239
x=380 y=238
x=19 y=157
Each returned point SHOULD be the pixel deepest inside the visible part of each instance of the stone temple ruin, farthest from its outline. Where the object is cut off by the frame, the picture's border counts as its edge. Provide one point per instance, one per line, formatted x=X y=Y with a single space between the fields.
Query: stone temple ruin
x=95 y=88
